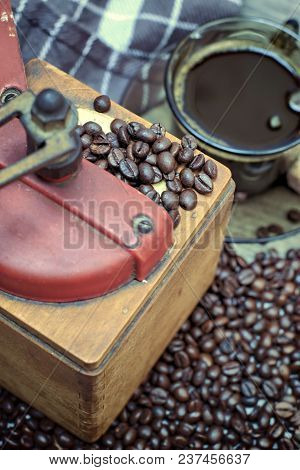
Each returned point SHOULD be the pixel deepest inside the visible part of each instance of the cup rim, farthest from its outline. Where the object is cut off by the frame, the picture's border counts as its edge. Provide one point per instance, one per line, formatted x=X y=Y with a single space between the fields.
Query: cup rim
x=177 y=113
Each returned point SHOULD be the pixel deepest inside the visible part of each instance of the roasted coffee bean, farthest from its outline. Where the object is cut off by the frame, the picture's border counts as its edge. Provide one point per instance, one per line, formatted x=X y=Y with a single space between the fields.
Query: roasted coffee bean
x=189 y=141
x=26 y=442
x=181 y=359
x=275 y=229
x=146 y=188
x=161 y=144
x=170 y=200
x=112 y=139
x=214 y=434
x=7 y=406
x=114 y=158
x=158 y=396
x=237 y=424
x=276 y=431
x=146 y=135
x=129 y=169
x=46 y=425
x=187 y=178
x=102 y=104
x=116 y=124
x=175 y=185
x=197 y=163
x=181 y=394
x=248 y=388
x=129 y=151
x=90 y=157
x=211 y=169
x=150 y=192
x=293 y=215
x=213 y=372
x=159 y=129
x=284 y=409
x=92 y=128
x=130 y=437
x=158 y=176
x=246 y=277
x=185 y=156
x=86 y=141
x=134 y=127
x=65 y=440
x=140 y=150
x=169 y=176
x=174 y=149
x=262 y=232
x=207 y=345
x=259 y=284
x=103 y=164
x=286 y=444
x=100 y=150
x=203 y=184
x=264 y=442
x=188 y=199
x=166 y=162
x=174 y=214
x=231 y=368
x=269 y=389
x=123 y=136
x=151 y=159
x=42 y=440
x=146 y=173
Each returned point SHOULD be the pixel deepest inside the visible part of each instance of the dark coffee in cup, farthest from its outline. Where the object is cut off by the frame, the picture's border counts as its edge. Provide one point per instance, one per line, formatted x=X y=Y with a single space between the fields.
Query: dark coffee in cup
x=240 y=98
x=235 y=85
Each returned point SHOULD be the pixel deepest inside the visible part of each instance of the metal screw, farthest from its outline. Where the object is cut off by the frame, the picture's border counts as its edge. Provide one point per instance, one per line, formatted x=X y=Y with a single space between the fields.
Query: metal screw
x=142 y=224
x=9 y=94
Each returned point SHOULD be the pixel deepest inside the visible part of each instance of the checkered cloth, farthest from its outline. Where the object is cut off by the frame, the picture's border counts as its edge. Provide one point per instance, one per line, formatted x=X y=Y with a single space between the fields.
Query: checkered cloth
x=113 y=44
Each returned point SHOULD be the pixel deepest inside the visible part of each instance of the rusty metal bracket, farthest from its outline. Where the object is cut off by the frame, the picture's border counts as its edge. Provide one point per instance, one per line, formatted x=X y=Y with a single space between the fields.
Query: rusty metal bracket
x=50 y=121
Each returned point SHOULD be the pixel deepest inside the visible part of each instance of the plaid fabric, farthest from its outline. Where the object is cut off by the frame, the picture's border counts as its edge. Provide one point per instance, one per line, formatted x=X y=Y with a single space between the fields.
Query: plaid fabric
x=113 y=44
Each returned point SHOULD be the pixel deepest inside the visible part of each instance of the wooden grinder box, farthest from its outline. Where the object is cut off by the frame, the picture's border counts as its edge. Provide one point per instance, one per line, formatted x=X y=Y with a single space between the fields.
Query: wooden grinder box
x=80 y=362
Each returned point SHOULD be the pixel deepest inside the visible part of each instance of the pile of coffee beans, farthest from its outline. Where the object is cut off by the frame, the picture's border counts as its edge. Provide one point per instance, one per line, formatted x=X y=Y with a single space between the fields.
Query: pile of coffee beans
x=228 y=380
x=269 y=231
x=143 y=157
x=293 y=215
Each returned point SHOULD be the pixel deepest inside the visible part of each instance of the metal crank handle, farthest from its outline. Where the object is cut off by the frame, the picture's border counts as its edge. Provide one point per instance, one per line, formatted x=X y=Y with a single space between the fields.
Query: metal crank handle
x=49 y=121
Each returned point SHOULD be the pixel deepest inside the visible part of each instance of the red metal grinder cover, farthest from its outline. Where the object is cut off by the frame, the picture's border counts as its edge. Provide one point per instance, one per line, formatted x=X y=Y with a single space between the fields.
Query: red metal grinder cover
x=75 y=240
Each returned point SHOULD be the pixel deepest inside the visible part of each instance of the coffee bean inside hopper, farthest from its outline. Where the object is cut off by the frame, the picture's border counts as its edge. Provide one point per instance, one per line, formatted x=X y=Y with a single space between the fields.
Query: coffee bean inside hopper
x=166 y=162
x=203 y=184
x=146 y=173
x=140 y=150
x=142 y=156
x=129 y=169
x=187 y=178
x=188 y=199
